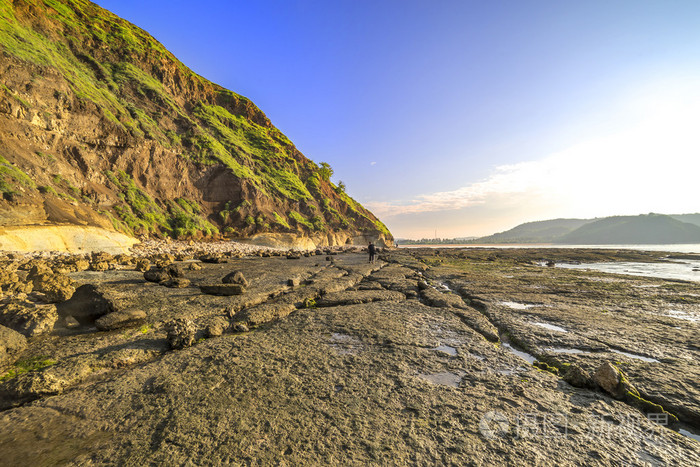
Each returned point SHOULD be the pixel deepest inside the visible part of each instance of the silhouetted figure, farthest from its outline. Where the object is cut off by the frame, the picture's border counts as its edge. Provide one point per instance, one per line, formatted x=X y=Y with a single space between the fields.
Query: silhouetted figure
x=372 y=252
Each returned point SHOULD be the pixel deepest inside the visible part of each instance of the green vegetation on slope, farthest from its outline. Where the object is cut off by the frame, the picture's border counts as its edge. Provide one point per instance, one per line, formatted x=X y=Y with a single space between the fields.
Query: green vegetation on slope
x=644 y=229
x=144 y=97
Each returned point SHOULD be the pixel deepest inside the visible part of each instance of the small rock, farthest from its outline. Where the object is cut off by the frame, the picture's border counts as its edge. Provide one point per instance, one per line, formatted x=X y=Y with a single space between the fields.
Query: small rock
x=156 y=275
x=194 y=267
x=12 y=344
x=39 y=269
x=293 y=282
x=217 y=328
x=119 y=319
x=181 y=333
x=235 y=277
x=607 y=376
x=293 y=256
x=142 y=265
x=240 y=327
x=162 y=262
x=222 y=289
x=577 y=376
x=101 y=256
x=31 y=386
x=81 y=265
x=213 y=259
x=70 y=322
x=176 y=283
x=28 y=318
x=230 y=311
x=99 y=266
x=174 y=270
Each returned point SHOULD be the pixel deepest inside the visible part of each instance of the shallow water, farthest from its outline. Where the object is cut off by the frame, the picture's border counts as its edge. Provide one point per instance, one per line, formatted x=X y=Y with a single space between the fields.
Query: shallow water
x=635 y=356
x=551 y=327
x=680 y=248
x=446 y=349
x=676 y=270
x=518 y=306
x=524 y=355
x=565 y=350
x=684 y=315
x=687 y=433
x=444 y=378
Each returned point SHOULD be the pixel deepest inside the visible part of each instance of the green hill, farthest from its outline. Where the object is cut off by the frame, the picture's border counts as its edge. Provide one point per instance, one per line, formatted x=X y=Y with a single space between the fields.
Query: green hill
x=644 y=229
x=101 y=125
x=535 y=232
x=689 y=218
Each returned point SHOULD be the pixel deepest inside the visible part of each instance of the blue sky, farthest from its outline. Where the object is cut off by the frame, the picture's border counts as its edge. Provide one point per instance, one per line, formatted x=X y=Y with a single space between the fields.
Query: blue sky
x=465 y=117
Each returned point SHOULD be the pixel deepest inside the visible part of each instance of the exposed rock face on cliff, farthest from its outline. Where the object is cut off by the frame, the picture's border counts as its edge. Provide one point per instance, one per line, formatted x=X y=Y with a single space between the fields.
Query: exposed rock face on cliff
x=100 y=125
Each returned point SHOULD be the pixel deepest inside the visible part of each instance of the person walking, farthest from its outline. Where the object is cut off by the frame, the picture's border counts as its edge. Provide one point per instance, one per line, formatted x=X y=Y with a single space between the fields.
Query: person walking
x=372 y=252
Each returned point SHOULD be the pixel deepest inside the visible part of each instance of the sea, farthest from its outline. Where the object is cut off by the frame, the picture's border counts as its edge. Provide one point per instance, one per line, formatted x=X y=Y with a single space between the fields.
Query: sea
x=679 y=248
x=673 y=269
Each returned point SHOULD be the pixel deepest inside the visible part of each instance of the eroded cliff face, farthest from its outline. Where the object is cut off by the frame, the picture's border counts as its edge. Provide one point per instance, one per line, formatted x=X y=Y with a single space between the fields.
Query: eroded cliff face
x=100 y=125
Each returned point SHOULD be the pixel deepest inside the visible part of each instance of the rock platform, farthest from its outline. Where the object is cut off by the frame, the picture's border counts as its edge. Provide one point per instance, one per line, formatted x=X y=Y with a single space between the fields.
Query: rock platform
x=421 y=358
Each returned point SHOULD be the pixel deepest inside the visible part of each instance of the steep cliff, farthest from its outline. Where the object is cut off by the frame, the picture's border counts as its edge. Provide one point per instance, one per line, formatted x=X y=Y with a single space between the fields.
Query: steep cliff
x=100 y=125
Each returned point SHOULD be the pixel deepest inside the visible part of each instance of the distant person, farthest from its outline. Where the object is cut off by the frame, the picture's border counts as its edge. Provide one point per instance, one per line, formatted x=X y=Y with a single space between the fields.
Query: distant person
x=372 y=252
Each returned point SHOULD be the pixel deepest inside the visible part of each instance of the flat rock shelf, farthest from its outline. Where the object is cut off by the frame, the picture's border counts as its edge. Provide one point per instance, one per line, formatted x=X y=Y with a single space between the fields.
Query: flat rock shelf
x=327 y=359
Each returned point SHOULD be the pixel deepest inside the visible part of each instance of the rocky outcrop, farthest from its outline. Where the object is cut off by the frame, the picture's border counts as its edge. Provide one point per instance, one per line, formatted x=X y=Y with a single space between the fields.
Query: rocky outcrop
x=105 y=130
x=12 y=344
x=28 y=318
x=89 y=302
x=370 y=377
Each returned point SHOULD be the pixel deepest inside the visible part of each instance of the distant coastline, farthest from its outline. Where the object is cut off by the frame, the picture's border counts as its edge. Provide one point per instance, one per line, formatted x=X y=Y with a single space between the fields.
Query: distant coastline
x=671 y=248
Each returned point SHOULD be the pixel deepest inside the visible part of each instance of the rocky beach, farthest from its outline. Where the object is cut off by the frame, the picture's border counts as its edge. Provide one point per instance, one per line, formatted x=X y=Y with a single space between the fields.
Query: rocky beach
x=189 y=353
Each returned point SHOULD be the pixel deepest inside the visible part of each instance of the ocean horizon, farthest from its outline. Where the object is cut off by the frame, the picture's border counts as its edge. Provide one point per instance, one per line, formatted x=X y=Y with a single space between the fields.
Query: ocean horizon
x=671 y=248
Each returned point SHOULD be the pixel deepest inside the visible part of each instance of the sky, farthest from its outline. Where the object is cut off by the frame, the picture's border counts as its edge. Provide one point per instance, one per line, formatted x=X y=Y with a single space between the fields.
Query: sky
x=457 y=118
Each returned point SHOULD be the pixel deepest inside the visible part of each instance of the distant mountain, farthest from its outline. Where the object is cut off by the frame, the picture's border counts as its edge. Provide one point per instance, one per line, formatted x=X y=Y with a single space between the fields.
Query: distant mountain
x=644 y=229
x=536 y=232
x=689 y=218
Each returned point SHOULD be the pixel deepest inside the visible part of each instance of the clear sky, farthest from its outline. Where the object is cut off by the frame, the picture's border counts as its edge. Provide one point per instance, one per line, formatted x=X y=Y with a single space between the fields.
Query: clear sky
x=465 y=117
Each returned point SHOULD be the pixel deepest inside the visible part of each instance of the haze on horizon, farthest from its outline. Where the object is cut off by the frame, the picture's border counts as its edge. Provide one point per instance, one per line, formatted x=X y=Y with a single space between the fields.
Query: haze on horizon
x=465 y=117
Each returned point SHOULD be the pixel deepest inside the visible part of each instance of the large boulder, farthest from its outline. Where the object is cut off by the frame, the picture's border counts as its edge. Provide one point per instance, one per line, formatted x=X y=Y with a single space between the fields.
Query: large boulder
x=55 y=287
x=30 y=386
x=88 y=303
x=12 y=344
x=8 y=278
x=28 y=318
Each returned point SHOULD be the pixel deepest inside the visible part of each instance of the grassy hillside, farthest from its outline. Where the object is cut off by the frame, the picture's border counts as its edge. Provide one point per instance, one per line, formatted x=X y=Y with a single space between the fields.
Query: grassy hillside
x=535 y=232
x=689 y=218
x=105 y=125
x=644 y=229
